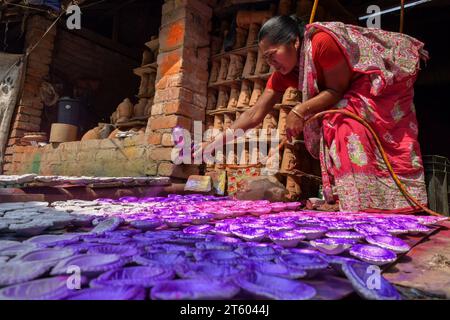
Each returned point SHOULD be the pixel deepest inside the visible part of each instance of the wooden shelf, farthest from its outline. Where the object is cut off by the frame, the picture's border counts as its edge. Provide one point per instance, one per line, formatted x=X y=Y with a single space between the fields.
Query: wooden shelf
x=146 y=69
x=229 y=83
x=152 y=44
x=240 y=52
x=132 y=123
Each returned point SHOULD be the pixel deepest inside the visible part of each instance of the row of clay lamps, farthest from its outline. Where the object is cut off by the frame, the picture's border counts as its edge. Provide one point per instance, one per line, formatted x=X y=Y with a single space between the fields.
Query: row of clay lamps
x=233 y=68
x=243 y=96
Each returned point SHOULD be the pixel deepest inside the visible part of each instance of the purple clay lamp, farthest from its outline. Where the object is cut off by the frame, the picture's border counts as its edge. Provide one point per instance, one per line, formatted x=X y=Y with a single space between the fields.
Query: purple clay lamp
x=373 y=254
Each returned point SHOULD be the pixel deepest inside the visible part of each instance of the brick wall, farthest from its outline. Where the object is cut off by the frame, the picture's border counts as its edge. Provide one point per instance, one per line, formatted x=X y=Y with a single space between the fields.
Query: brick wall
x=27 y=116
x=181 y=83
x=180 y=99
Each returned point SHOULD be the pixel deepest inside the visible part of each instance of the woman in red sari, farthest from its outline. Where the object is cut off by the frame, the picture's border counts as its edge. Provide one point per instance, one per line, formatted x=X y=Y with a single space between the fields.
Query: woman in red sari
x=369 y=72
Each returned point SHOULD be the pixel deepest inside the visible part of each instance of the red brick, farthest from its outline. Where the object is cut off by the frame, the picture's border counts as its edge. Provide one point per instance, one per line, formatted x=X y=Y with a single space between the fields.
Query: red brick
x=30 y=111
x=168 y=122
x=159 y=154
x=185 y=109
x=26 y=126
x=169 y=63
x=154 y=138
x=167 y=169
x=171 y=36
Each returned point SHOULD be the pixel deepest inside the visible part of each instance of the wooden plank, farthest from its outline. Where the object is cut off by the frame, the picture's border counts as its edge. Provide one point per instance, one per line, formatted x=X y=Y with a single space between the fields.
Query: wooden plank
x=426 y=268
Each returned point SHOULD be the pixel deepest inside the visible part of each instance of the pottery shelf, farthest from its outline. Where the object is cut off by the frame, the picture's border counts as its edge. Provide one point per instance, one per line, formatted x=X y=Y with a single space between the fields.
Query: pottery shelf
x=145 y=69
x=229 y=83
x=131 y=124
x=240 y=51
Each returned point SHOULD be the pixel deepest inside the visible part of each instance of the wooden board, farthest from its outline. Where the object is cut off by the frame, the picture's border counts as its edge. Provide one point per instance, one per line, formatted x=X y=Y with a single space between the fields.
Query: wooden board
x=424 y=272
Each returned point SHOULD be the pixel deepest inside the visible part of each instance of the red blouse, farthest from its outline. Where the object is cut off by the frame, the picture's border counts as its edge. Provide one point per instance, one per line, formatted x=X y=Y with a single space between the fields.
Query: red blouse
x=326 y=55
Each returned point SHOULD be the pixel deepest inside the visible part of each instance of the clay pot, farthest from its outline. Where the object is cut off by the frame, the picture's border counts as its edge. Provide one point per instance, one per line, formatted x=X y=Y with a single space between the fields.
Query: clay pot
x=214 y=72
x=216 y=45
x=292 y=96
x=250 y=65
x=139 y=108
x=235 y=67
x=113 y=117
x=124 y=110
x=282 y=122
x=244 y=96
x=241 y=38
x=289 y=161
x=91 y=134
x=212 y=100
x=234 y=97
x=222 y=99
x=151 y=84
x=253 y=34
x=228 y=120
x=143 y=87
x=293 y=187
x=148 y=108
x=261 y=66
x=271 y=121
x=147 y=57
x=218 y=122
x=284 y=7
x=224 y=63
x=245 y=18
x=256 y=93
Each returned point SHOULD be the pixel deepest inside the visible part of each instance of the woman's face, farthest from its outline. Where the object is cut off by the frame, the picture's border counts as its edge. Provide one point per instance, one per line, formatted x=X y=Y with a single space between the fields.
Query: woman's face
x=282 y=57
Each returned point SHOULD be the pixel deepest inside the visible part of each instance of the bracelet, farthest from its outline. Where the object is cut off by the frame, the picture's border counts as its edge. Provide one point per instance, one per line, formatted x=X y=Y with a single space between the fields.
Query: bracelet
x=298 y=114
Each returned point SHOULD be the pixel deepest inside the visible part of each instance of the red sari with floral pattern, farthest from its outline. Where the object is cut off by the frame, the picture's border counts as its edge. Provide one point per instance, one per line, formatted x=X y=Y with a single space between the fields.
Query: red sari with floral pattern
x=353 y=170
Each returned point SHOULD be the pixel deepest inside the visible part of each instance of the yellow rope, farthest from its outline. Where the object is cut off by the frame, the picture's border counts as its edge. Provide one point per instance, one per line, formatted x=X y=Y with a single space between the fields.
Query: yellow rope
x=313 y=12
x=402 y=15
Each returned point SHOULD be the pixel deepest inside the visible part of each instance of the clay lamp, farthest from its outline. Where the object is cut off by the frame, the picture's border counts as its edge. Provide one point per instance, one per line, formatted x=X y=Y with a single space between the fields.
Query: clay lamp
x=373 y=254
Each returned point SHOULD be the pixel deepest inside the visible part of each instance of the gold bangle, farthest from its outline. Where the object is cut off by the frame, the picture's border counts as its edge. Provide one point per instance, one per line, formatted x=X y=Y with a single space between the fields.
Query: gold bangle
x=298 y=114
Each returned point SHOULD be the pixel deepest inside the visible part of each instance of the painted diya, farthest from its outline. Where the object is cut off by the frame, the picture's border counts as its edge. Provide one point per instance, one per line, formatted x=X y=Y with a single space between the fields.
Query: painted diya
x=194 y=289
x=332 y=245
x=51 y=240
x=218 y=257
x=106 y=225
x=126 y=252
x=265 y=286
x=43 y=289
x=369 y=229
x=162 y=258
x=146 y=224
x=18 y=272
x=311 y=263
x=89 y=264
x=287 y=238
x=375 y=288
x=373 y=254
x=14 y=250
x=198 y=229
x=250 y=234
x=353 y=235
x=312 y=232
x=205 y=270
x=389 y=242
x=257 y=252
x=278 y=270
x=44 y=256
x=134 y=276
x=119 y=293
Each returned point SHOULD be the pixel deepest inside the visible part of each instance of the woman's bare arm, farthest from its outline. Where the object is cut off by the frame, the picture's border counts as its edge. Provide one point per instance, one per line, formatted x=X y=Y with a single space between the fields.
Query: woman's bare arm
x=256 y=114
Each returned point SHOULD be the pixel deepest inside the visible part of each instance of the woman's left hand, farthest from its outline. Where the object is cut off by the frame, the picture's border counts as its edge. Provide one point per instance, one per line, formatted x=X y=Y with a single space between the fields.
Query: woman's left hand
x=294 y=126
